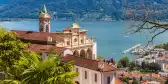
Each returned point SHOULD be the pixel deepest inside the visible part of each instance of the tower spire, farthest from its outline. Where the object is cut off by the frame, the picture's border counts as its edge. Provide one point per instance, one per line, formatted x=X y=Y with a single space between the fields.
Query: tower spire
x=44 y=20
x=44 y=9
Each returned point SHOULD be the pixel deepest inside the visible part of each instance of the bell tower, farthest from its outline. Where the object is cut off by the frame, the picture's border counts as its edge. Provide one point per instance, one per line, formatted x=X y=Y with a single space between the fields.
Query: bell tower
x=44 y=20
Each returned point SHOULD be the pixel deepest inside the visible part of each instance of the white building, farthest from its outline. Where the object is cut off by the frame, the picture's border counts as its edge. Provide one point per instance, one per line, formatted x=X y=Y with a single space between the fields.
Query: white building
x=163 y=61
x=90 y=71
x=93 y=72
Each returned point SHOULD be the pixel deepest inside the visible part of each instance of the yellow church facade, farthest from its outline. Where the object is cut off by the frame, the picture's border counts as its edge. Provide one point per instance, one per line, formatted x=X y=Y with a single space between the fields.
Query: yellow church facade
x=73 y=38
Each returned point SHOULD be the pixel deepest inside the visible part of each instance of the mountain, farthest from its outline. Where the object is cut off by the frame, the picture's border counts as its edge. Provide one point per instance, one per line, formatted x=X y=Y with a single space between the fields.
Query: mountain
x=82 y=9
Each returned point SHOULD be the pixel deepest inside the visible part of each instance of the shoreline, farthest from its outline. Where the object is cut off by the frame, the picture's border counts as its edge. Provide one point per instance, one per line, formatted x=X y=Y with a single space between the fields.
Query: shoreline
x=28 y=19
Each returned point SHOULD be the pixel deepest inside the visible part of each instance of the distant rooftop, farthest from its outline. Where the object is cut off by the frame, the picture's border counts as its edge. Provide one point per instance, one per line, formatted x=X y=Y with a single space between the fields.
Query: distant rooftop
x=88 y=63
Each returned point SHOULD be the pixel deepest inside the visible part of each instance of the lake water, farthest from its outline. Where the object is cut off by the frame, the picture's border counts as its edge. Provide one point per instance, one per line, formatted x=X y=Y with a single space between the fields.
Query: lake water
x=110 y=36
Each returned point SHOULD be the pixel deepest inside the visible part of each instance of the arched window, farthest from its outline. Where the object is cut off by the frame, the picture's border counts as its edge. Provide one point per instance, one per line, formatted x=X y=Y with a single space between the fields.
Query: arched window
x=68 y=43
x=108 y=80
x=75 y=40
x=47 y=28
x=82 y=41
x=83 y=54
x=89 y=53
x=41 y=27
x=76 y=53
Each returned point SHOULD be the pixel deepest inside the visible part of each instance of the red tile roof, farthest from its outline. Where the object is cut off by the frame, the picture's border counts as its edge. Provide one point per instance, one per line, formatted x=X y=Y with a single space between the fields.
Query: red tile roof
x=130 y=81
x=144 y=82
x=156 y=75
x=67 y=29
x=46 y=48
x=40 y=36
x=88 y=63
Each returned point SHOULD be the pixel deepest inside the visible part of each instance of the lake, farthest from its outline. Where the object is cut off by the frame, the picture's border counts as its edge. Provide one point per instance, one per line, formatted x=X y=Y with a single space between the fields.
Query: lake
x=110 y=36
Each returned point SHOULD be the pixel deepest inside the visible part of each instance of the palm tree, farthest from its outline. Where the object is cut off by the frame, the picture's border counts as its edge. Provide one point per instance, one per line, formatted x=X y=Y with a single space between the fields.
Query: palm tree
x=37 y=71
x=166 y=82
x=49 y=71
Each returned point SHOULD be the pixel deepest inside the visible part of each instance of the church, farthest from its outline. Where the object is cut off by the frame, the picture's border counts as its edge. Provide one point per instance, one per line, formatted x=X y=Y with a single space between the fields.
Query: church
x=72 y=43
x=72 y=38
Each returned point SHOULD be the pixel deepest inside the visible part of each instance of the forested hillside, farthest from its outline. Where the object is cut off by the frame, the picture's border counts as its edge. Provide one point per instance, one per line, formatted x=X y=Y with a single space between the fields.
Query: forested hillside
x=84 y=9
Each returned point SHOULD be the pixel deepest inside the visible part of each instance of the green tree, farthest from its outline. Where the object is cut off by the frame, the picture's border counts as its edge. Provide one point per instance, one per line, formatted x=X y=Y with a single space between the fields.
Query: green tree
x=21 y=66
x=150 y=67
x=141 y=78
x=134 y=81
x=166 y=82
x=123 y=62
x=49 y=71
x=99 y=57
x=132 y=66
x=143 y=65
x=155 y=67
x=114 y=62
x=164 y=46
x=125 y=79
x=11 y=49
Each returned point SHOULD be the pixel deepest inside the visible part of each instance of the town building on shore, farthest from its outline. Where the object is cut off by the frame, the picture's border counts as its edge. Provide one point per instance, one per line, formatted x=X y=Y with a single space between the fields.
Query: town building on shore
x=71 y=44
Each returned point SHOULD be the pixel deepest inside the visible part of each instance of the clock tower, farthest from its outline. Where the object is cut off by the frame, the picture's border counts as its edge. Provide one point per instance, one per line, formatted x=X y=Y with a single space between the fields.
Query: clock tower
x=44 y=20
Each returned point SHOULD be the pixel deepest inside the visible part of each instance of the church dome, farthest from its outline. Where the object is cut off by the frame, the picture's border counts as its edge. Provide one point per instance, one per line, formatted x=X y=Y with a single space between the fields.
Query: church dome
x=44 y=13
x=75 y=25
